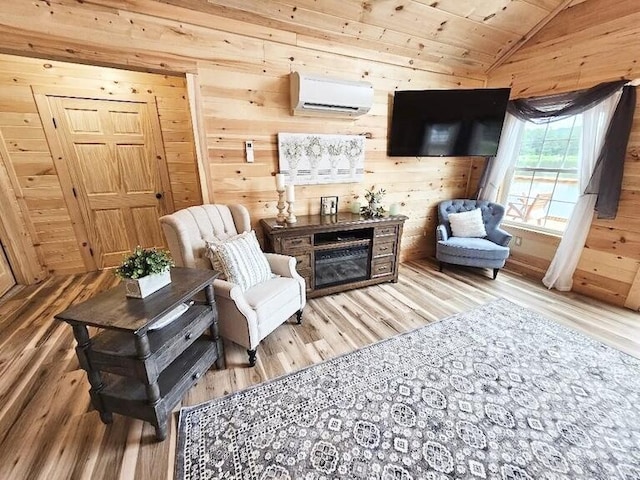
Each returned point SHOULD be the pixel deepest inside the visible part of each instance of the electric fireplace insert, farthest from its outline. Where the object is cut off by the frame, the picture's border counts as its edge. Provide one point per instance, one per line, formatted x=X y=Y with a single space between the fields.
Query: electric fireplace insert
x=341 y=265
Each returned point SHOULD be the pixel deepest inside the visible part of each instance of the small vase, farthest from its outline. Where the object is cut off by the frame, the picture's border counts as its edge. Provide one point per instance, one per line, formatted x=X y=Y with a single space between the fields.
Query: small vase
x=145 y=286
x=370 y=210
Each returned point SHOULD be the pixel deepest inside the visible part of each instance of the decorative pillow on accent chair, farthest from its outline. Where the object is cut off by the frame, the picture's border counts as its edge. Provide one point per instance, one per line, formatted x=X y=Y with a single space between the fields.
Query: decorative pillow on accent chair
x=467 y=224
x=210 y=253
x=241 y=260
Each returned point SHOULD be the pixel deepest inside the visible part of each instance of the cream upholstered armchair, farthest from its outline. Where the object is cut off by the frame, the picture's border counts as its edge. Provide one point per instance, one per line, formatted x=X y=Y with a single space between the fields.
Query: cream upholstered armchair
x=245 y=317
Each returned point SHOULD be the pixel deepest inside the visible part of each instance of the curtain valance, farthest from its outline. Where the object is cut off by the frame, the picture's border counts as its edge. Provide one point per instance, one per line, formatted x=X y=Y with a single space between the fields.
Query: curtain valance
x=606 y=180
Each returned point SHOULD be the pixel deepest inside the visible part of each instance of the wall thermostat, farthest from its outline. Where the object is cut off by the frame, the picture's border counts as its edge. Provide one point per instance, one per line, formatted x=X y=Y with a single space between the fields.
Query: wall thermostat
x=248 y=149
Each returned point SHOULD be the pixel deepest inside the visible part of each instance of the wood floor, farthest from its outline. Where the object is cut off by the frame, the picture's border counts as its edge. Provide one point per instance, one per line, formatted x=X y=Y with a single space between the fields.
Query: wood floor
x=48 y=429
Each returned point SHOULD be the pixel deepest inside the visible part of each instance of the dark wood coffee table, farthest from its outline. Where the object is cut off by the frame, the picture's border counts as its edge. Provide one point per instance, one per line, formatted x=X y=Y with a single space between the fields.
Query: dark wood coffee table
x=138 y=371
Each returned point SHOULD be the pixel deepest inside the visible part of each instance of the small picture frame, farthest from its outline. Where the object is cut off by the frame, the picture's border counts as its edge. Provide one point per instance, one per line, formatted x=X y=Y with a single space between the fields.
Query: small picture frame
x=328 y=205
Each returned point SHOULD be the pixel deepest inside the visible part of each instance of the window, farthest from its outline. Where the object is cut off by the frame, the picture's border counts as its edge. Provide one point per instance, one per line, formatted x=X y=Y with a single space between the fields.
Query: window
x=543 y=186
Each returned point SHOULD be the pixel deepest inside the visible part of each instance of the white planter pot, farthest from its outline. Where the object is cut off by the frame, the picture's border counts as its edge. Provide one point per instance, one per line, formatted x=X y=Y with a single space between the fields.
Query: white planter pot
x=145 y=286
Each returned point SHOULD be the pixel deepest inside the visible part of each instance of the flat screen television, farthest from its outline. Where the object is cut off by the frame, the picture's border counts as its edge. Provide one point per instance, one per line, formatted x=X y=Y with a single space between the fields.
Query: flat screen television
x=447 y=123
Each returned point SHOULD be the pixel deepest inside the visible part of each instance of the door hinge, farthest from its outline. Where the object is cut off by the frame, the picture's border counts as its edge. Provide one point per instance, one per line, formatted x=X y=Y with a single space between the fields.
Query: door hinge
x=91 y=251
x=55 y=124
x=75 y=194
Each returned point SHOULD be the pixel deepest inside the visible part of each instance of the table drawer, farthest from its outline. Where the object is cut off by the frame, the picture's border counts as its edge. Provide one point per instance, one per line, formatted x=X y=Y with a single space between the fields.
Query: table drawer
x=381 y=267
x=296 y=243
x=306 y=274
x=382 y=249
x=386 y=231
x=115 y=351
x=303 y=261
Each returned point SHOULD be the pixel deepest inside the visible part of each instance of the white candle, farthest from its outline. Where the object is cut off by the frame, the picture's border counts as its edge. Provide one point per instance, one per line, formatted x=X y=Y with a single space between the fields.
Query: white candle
x=291 y=194
x=279 y=182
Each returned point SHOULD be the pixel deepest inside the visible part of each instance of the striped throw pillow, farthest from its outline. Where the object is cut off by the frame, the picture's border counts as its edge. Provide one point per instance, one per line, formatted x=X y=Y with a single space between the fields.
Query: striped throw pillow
x=242 y=260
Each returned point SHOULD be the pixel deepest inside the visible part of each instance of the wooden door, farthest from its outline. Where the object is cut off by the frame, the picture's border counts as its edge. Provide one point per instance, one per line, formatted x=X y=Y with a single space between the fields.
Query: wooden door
x=114 y=151
x=7 y=280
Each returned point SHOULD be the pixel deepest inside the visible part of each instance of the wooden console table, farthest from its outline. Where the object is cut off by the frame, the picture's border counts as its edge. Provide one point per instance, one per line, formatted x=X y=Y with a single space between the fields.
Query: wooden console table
x=338 y=252
x=138 y=371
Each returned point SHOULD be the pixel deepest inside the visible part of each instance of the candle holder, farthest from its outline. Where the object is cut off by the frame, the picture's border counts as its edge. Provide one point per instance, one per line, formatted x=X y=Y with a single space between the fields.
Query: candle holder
x=291 y=218
x=281 y=206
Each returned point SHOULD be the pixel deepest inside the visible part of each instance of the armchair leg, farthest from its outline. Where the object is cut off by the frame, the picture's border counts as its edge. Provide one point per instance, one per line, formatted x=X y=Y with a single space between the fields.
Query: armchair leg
x=495 y=272
x=252 y=357
x=299 y=316
x=440 y=265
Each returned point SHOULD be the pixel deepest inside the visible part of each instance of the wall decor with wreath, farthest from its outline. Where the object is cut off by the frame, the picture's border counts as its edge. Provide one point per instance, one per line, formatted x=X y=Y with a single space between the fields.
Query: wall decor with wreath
x=307 y=158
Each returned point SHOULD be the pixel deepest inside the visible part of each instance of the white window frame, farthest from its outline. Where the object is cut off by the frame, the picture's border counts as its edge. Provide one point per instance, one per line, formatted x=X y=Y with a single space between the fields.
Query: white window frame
x=510 y=175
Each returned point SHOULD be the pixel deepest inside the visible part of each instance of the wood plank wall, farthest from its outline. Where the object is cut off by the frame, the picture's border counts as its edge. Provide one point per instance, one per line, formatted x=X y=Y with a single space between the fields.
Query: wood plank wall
x=254 y=105
x=243 y=72
x=592 y=42
x=29 y=160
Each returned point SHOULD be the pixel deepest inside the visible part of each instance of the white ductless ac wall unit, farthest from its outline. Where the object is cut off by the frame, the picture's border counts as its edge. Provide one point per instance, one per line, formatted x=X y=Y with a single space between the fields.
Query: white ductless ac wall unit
x=316 y=95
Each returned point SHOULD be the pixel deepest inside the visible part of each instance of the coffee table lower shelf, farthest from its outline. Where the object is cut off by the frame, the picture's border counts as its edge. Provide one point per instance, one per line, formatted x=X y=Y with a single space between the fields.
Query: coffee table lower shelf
x=128 y=396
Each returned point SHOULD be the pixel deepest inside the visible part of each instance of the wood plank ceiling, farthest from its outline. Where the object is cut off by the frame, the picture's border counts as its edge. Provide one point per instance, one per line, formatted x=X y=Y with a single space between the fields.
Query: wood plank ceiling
x=462 y=36
x=455 y=37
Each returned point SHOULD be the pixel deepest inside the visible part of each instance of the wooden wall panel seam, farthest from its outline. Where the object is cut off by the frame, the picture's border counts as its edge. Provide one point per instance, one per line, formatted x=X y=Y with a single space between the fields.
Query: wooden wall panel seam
x=20 y=246
x=194 y=95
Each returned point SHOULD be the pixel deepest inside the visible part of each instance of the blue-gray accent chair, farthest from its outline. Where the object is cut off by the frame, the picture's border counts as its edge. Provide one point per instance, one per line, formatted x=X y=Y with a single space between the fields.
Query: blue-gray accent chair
x=488 y=252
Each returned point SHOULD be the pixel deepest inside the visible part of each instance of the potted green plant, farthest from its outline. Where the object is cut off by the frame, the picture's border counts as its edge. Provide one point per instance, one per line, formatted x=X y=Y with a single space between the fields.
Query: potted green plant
x=145 y=271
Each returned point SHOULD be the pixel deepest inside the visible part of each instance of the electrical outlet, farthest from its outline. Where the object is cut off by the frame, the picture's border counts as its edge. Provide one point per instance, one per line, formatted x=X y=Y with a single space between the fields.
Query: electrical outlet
x=518 y=241
x=248 y=149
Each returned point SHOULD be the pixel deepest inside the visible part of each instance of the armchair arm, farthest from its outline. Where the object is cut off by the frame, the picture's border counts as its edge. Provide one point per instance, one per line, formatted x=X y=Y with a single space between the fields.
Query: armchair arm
x=285 y=266
x=230 y=291
x=500 y=237
x=237 y=320
x=441 y=233
x=282 y=265
x=225 y=289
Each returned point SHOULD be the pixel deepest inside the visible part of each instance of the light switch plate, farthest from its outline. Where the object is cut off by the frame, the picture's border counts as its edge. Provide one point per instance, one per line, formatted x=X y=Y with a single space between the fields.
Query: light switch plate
x=248 y=149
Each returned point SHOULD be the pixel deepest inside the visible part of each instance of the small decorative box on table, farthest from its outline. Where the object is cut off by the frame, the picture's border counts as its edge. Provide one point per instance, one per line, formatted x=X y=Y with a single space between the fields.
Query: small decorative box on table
x=136 y=370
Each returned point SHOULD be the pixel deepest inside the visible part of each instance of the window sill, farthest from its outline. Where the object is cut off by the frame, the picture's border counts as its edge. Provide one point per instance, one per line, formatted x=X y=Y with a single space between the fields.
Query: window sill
x=523 y=227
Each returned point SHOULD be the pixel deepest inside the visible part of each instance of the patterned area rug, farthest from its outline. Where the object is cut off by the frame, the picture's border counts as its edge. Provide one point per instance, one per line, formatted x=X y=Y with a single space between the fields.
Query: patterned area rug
x=497 y=392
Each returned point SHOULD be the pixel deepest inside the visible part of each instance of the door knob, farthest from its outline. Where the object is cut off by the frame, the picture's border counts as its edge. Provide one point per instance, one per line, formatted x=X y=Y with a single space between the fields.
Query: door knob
x=158 y=195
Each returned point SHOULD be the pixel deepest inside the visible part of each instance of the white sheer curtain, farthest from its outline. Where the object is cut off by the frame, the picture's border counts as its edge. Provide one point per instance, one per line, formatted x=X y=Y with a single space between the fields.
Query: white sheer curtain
x=510 y=141
x=595 y=122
